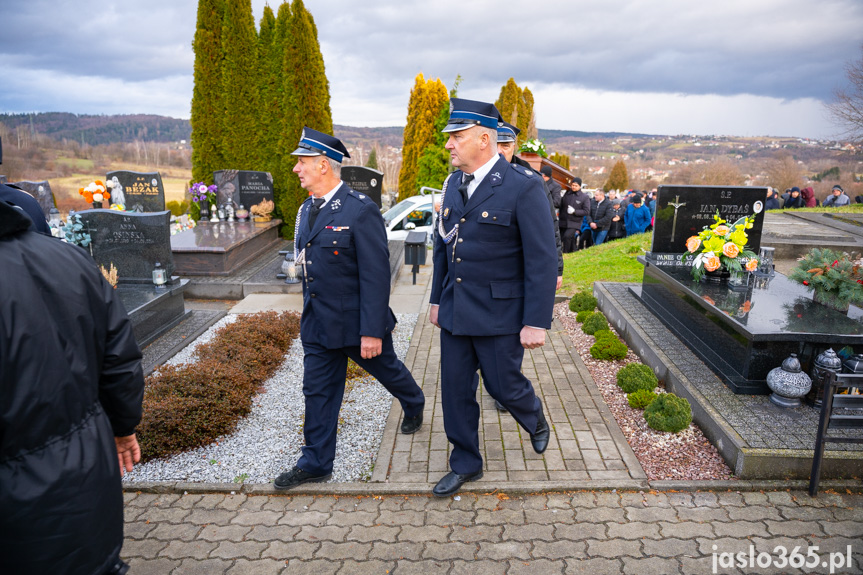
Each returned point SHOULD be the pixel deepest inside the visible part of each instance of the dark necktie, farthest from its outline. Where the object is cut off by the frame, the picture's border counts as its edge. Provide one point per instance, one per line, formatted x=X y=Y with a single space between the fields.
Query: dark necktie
x=465 y=182
x=314 y=211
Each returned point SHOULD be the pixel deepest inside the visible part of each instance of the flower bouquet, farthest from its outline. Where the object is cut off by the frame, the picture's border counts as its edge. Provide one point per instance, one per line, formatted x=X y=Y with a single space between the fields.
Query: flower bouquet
x=202 y=194
x=95 y=193
x=721 y=247
x=533 y=146
x=836 y=277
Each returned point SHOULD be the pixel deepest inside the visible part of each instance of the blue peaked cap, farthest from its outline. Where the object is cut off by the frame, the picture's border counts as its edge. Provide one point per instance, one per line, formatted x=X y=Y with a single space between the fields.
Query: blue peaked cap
x=314 y=143
x=506 y=132
x=469 y=113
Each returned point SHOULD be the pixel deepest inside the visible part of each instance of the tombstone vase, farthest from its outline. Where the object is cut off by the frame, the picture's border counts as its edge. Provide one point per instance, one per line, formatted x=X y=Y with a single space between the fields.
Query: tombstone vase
x=97 y=205
x=717 y=276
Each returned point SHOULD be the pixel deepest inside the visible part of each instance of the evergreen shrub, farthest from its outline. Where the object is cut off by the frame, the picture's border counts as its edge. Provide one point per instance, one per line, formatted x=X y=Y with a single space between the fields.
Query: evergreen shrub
x=640 y=398
x=594 y=323
x=583 y=315
x=608 y=348
x=582 y=301
x=668 y=413
x=636 y=376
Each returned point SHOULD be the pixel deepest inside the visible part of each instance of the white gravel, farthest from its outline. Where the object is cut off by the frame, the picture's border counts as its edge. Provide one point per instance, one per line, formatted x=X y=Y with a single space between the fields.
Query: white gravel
x=268 y=441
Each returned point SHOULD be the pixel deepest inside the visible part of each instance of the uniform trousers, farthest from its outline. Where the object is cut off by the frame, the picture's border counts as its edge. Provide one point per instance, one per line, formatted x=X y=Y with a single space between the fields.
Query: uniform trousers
x=324 y=387
x=499 y=357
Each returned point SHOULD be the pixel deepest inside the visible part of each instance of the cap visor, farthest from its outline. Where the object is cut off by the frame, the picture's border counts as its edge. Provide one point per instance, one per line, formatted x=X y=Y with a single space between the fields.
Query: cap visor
x=457 y=127
x=306 y=152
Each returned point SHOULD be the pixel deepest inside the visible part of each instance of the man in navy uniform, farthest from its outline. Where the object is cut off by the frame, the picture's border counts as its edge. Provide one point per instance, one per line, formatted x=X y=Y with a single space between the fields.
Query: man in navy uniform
x=342 y=246
x=495 y=270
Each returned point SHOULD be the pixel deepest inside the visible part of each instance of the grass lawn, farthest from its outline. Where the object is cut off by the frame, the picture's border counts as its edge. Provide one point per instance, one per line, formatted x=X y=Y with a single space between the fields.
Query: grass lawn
x=612 y=261
x=849 y=209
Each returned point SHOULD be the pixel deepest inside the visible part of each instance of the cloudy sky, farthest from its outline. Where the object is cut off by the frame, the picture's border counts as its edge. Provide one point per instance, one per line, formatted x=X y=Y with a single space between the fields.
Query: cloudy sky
x=738 y=67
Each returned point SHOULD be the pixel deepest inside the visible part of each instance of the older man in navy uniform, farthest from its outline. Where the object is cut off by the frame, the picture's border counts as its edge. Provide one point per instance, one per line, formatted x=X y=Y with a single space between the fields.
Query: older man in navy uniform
x=342 y=246
x=495 y=270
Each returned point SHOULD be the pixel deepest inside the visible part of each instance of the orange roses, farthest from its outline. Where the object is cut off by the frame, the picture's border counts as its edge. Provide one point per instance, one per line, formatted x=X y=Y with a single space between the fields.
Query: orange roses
x=730 y=250
x=720 y=230
x=712 y=263
x=751 y=265
x=95 y=192
x=693 y=244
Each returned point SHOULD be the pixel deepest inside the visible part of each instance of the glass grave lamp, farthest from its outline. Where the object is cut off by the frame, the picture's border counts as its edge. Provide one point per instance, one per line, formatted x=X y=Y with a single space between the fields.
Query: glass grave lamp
x=289 y=269
x=160 y=277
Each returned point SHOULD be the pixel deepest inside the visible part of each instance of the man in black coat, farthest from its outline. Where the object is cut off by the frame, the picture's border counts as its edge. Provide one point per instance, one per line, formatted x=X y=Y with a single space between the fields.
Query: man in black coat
x=71 y=388
x=599 y=217
x=574 y=205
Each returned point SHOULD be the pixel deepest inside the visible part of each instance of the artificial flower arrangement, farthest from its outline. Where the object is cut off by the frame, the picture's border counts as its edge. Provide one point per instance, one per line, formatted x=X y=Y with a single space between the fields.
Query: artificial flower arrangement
x=720 y=246
x=201 y=193
x=836 y=277
x=95 y=192
x=534 y=146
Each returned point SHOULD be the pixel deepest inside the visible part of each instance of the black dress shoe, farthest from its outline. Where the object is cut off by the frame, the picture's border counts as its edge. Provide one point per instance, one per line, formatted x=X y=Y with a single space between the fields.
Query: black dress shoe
x=412 y=424
x=499 y=406
x=539 y=438
x=453 y=481
x=297 y=476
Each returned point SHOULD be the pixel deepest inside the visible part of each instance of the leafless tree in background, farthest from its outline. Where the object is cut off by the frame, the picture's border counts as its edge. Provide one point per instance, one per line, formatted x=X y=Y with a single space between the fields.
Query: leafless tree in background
x=784 y=172
x=847 y=105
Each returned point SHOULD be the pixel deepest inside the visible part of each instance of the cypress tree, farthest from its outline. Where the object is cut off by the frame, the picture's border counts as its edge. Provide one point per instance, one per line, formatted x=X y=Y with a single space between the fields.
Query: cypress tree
x=410 y=153
x=207 y=107
x=618 y=178
x=269 y=75
x=527 y=118
x=284 y=110
x=239 y=87
x=372 y=162
x=427 y=100
x=434 y=162
x=306 y=97
x=516 y=107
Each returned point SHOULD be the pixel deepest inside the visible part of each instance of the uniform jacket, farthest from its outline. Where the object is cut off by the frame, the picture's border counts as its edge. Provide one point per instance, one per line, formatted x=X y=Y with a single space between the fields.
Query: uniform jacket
x=70 y=380
x=346 y=282
x=502 y=275
x=549 y=186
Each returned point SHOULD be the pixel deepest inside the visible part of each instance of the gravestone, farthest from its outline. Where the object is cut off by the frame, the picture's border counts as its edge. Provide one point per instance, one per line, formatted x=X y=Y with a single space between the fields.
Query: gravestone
x=364 y=180
x=41 y=191
x=684 y=211
x=137 y=191
x=243 y=187
x=132 y=241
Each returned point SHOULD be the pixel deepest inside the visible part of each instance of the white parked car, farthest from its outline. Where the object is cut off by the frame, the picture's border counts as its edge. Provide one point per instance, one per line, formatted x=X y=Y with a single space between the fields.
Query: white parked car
x=414 y=214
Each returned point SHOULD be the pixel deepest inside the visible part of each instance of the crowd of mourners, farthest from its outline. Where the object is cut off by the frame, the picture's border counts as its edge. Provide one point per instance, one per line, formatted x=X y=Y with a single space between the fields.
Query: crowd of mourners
x=805 y=198
x=591 y=217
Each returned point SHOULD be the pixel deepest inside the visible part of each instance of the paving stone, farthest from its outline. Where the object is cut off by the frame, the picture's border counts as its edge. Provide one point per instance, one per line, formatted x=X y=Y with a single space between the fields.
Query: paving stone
x=649 y=514
x=649 y=566
x=843 y=528
x=235 y=550
x=559 y=549
x=269 y=533
x=137 y=529
x=740 y=529
x=479 y=568
x=503 y=550
x=203 y=567
x=581 y=531
x=755 y=498
x=422 y=568
x=341 y=551
x=704 y=499
x=328 y=533
x=400 y=518
x=753 y=513
x=780 y=498
x=313 y=567
x=730 y=499
x=290 y=550
x=633 y=530
x=210 y=516
x=131 y=513
x=529 y=532
x=256 y=567
x=161 y=566
x=412 y=551
x=501 y=517
x=374 y=533
x=352 y=567
x=476 y=533
x=670 y=547
x=164 y=515
x=304 y=518
x=170 y=532
x=444 y=551
x=535 y=566
x=806 y=513
x=710 y=545
x=601 y=515
x=613 y=548
x=232 y=502
x=704 y=566
x=352 y=518
x=146 y=548
x=593 y=566
x=680 y=499
x=703 y=514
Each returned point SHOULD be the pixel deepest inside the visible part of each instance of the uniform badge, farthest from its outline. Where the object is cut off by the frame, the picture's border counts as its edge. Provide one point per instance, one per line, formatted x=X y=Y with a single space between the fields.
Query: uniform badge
x=446 y=213
x=362 y=197
x=485 y=214
x=526 y=171
x=336 y=204
x=495 y=178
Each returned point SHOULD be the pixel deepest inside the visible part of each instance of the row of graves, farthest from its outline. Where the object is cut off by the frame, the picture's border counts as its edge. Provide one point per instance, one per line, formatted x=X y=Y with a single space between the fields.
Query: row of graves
x=767 y=338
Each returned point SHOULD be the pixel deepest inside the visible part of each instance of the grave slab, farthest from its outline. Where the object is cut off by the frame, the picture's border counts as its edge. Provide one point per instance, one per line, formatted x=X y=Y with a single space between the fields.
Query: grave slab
x=220 y=248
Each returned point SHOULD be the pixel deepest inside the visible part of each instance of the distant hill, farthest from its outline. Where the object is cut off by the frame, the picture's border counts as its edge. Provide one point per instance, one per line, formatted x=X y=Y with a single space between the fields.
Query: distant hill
x=95 y=130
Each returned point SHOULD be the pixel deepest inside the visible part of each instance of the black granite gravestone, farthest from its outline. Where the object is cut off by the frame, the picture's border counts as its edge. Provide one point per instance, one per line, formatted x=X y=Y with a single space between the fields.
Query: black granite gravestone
x=41 y=191
x=137 y=191
x=683 y=211
x=132 y=241
x=364 y=180
x=243 y=187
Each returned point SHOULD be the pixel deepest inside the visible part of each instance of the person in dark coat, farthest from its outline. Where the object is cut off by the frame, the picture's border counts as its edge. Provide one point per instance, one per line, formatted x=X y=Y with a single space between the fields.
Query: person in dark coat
x=346 y=292
x=795 y=200
x=599 y=217
x=616 y=230
x=492 y=292
x=574 y=206
x=71 y=388
x=772 y=202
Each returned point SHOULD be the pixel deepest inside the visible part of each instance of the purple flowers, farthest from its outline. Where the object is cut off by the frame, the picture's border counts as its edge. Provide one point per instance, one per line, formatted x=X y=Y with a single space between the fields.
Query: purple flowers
x=201 y=192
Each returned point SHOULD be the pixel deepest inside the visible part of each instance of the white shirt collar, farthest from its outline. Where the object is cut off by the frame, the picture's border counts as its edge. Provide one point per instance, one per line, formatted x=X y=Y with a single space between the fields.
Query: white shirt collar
x=481 y=173
x=329 y=196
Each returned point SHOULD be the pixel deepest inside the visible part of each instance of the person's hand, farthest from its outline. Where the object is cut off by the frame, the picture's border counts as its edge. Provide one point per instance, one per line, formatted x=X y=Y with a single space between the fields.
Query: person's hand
x=570 y=210
x=433 y=315
x=593 y=225
x=615 y=219
x=559 y=283
x=128 y=452
x=370 y=347
x=532 y=337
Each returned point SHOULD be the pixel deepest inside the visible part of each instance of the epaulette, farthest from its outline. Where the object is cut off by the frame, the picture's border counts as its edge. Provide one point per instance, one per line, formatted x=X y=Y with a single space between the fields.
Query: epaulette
x=527 y=172
x=357 y=195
